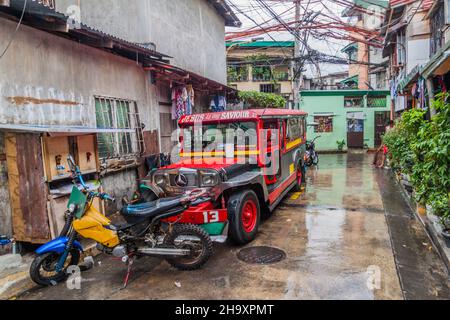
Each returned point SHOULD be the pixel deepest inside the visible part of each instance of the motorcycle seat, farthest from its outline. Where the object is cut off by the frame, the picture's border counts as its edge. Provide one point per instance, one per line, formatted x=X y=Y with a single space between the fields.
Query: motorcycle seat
x=152 y=209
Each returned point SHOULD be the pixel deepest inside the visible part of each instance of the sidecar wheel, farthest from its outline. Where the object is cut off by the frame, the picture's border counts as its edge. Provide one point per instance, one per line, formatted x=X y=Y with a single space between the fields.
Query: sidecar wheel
x=42 y=269
x=196 y=239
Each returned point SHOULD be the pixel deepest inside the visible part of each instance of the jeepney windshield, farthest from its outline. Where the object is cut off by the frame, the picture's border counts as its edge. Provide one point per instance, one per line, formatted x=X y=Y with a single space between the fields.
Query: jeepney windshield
x=220 y=139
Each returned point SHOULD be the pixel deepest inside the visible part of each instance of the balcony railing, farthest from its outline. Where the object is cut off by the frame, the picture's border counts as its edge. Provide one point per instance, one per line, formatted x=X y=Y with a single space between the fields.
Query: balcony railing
x=281 y=76
x=237 y=78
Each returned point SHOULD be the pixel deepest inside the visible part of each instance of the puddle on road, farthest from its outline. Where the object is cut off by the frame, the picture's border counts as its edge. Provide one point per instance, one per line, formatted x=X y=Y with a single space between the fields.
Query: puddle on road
x=343 y=217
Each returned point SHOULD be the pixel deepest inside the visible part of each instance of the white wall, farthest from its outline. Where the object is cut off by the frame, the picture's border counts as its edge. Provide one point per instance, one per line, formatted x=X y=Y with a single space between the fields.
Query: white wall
x=191 y=31
x=418 y=53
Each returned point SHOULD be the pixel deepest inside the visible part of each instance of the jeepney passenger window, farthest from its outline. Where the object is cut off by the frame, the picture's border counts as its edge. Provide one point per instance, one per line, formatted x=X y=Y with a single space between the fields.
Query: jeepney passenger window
x=294 y=130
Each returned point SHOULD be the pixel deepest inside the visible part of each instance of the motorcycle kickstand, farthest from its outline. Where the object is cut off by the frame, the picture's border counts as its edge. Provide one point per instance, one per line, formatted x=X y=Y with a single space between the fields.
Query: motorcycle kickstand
x=129 y=261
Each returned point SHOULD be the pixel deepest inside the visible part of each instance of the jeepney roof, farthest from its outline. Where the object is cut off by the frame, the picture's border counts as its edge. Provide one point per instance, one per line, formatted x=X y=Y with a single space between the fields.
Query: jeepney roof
x=240 y=115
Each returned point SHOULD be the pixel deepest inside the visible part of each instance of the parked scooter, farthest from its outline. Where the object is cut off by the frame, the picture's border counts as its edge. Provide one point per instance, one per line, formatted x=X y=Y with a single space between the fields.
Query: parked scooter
x=311 y=156
x=184 y=246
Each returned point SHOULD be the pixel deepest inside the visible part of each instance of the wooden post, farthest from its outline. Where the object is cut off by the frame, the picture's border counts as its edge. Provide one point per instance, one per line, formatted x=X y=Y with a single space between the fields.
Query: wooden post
x=430 y=89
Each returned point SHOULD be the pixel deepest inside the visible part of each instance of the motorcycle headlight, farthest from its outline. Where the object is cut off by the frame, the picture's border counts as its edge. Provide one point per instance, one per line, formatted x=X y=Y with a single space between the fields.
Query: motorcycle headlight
x=209 y=179
x=160 y=179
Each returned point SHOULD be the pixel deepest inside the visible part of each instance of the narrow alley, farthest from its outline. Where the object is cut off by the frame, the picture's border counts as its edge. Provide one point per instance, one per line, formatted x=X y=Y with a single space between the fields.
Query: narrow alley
x=335 y=237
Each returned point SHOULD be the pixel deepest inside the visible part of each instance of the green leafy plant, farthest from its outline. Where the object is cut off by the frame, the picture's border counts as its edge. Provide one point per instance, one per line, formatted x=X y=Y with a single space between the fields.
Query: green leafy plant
x=340 y=145
x=254 y=99
x=237 y=73
x=420 y=149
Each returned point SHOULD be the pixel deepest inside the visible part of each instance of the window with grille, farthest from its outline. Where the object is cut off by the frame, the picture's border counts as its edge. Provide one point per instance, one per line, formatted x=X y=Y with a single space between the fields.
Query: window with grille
x=270 y=88
x=324 y=124
x=122 y=116
x=437 y=23
x=353 y=102
x=377 y=102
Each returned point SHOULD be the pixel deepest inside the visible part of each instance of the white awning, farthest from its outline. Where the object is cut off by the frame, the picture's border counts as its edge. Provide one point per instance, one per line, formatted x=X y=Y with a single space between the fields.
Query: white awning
x=324 y=114
x=356 y=115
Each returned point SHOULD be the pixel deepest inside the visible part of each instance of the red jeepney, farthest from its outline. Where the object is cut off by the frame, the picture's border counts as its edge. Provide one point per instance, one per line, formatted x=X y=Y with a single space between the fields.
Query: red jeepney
x=248 y=160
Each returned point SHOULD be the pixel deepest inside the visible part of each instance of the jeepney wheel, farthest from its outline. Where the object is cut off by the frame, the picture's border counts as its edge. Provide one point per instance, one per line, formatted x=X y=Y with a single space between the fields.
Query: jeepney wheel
x=244 y=213
x=300 y=178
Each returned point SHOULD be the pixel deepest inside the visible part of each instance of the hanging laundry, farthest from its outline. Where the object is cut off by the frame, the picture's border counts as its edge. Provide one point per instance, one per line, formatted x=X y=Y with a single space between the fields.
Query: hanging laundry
x=419 y=93
x=218 y=104
x=174 y=104
x=190 y=103
x=179 y=102
x=442 y=84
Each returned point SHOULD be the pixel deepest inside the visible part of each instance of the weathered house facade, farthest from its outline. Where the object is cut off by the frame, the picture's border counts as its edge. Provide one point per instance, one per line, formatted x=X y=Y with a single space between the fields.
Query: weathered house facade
x=417 y=37
x=357 y=117
x=87 y=78
x=262 y=66
x=367 y=67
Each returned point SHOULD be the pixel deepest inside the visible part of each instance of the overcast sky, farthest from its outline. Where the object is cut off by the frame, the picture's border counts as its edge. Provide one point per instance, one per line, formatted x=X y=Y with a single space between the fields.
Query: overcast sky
x=331 y=46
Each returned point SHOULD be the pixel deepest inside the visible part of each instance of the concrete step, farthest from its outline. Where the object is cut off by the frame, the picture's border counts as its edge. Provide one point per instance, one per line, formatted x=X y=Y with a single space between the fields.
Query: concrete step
x=14 y=275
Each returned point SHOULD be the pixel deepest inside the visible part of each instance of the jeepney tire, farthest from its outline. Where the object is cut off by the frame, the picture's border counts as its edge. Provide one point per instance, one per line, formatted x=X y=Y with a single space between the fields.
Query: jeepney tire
x=236 y=206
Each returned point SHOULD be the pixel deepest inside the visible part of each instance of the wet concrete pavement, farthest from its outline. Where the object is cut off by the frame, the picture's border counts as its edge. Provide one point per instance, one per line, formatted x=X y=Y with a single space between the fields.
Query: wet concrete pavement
x=335 y=237
x=423 y=275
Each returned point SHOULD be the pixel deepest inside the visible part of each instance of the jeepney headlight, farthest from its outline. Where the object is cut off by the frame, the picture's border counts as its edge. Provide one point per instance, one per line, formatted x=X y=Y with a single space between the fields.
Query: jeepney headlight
x=209 y=178
x=160 y=179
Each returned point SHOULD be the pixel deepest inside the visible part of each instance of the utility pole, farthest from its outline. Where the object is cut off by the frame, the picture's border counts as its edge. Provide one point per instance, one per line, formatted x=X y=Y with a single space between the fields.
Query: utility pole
x=296 y=64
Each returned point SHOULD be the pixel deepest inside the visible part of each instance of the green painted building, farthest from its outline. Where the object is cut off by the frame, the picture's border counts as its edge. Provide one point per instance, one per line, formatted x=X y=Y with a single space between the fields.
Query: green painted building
x=357 y=117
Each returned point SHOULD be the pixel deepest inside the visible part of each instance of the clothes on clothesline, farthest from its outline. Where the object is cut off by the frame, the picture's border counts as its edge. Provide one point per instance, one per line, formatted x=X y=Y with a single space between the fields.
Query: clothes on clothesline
x=419 y=91
x=182 y=101
x=218 y=104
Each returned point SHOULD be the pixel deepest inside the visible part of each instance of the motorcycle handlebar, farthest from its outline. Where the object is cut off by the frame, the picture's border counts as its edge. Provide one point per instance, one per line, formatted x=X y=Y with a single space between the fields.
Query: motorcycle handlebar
x=107 y=197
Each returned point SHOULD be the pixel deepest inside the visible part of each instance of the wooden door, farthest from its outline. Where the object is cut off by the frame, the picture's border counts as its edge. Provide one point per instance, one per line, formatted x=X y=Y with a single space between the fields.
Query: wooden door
x=355 y=133
x=27 y=187
x=381 y=121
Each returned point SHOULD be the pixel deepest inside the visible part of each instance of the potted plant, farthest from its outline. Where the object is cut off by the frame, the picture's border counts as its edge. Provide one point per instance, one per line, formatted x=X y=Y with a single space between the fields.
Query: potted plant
x=340 y=145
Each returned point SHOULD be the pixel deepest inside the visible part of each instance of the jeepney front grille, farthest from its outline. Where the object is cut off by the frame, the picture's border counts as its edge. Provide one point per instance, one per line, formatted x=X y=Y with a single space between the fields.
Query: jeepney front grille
x=192 y=179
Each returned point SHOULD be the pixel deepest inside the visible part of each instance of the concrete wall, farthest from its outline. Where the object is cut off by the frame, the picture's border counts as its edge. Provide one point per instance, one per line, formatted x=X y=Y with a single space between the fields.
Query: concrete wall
x=49 y=80
x=335 y=104
x=191 y=31
x=119 y=184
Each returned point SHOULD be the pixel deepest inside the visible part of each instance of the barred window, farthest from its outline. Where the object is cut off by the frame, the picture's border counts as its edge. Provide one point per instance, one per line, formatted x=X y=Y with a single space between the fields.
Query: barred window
x=121 y=115
x=377 y=102
x=325 y=124
x=353 y=102
x=270 y=88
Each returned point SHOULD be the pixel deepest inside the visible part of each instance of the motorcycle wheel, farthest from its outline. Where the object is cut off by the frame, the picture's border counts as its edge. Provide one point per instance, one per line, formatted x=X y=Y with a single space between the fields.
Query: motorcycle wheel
x=197 y=240
x=42 y=270
x=315 y=160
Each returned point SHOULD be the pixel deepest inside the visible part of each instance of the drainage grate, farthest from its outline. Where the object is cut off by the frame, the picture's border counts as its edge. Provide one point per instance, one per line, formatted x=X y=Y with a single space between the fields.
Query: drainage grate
x=261 y=255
